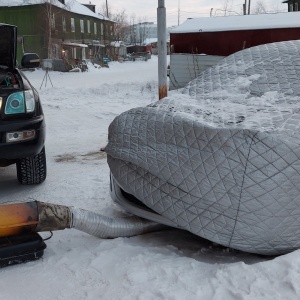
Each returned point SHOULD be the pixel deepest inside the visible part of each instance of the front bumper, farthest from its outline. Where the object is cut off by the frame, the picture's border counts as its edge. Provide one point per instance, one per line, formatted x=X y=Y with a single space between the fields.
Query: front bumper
x=16 y=150
x=134 y=206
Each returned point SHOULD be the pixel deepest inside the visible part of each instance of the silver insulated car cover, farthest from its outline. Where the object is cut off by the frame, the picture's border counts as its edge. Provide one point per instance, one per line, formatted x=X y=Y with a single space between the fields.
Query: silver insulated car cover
x=221 y=158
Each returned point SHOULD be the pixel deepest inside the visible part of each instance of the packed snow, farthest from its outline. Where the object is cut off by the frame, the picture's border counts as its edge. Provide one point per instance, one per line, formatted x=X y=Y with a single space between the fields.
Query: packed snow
x=240 y=22
x=171 y=264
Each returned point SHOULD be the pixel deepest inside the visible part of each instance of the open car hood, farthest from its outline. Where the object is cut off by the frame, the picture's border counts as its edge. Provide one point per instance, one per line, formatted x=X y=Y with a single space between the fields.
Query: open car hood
x=8 y=42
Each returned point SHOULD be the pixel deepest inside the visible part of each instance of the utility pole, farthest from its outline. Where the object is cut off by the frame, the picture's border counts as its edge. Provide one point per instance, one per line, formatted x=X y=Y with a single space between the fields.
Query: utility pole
x=162 y=50
x=249 y=7
x=245 y=8
x=107 y=10
x=178 y=12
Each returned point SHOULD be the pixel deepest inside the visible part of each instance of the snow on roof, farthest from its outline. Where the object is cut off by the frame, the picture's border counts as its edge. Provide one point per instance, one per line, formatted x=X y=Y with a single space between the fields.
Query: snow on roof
x=75 y=45
x=117 y=44
x=240 y=22
x=150 y=41
x=70 y=5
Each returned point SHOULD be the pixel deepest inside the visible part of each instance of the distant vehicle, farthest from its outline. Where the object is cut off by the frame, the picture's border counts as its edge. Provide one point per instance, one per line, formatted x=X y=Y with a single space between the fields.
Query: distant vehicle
x=22 y=124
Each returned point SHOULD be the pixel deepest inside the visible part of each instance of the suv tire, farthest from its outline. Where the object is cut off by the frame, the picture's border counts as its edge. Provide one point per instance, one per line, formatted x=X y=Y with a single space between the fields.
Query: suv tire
x=32 y=170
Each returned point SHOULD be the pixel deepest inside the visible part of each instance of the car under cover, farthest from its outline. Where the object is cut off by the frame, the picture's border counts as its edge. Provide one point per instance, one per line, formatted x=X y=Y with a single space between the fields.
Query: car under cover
x=221 y=158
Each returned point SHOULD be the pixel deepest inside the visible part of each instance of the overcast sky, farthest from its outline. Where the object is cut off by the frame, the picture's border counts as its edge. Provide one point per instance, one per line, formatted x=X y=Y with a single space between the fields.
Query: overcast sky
x=146 y=10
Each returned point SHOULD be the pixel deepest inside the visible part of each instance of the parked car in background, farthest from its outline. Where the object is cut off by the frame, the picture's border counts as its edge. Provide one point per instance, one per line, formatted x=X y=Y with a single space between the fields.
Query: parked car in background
x=22 y=124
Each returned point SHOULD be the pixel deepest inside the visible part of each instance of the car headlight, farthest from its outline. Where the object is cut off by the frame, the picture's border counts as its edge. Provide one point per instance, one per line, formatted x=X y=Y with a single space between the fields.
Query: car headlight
x=20 y=102
x=29 y=100
x=15 y=104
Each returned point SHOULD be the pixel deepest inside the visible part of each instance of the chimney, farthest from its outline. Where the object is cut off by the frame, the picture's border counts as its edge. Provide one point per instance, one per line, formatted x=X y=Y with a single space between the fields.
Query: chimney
x=90 y=6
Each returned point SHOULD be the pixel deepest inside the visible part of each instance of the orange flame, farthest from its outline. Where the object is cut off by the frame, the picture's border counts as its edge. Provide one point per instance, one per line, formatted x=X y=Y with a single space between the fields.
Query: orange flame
x=18 y=218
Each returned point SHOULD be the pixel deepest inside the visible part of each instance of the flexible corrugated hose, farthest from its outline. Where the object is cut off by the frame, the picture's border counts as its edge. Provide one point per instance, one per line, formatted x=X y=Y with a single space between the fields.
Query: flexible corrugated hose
x=36 y=216
x=110 y=227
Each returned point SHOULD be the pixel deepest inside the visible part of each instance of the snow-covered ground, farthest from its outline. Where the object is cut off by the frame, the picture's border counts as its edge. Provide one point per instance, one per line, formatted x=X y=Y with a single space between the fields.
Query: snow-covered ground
x=171 y=264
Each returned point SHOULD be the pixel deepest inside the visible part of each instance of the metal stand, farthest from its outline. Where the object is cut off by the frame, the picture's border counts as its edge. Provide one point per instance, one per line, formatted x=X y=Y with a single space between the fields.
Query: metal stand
x=46 y=78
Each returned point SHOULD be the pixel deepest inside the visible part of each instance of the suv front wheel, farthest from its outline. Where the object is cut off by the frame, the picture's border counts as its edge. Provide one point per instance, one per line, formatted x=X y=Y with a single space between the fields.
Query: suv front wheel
x=32 y=170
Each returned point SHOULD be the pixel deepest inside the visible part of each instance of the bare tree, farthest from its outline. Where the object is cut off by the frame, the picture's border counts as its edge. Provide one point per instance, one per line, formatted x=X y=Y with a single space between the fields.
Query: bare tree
x=259 y=8
x=49 y=24
x=121 y=24
x=227 y=7
x=225 y=10
x=50 y=16
x=132 y=34
x=125 y=28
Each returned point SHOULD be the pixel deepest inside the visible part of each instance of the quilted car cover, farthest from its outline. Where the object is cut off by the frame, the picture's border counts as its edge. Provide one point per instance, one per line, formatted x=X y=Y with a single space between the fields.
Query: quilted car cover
x=221 y=158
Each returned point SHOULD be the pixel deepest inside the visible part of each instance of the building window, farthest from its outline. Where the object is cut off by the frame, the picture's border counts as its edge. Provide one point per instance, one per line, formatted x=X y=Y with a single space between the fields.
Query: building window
x=296 y=7
x=72 y=25
x=291 y=7
x=88 y=26
x=64 y=24
x=81 y=26
x=95 y=28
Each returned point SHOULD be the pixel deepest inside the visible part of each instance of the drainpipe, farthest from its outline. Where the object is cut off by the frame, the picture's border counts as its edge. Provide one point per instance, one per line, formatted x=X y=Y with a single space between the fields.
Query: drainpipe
x=162 y=50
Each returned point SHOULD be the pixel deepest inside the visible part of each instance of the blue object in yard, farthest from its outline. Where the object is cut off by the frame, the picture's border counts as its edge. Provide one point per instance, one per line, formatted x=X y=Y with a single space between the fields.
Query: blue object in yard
x=106 y=59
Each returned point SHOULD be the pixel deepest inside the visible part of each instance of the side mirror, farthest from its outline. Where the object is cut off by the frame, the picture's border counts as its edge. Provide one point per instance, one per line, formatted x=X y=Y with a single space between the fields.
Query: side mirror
x=30 y=60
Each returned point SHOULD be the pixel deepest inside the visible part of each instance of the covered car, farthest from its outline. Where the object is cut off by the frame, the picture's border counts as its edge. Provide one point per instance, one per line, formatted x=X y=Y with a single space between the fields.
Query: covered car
x=220 y=159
